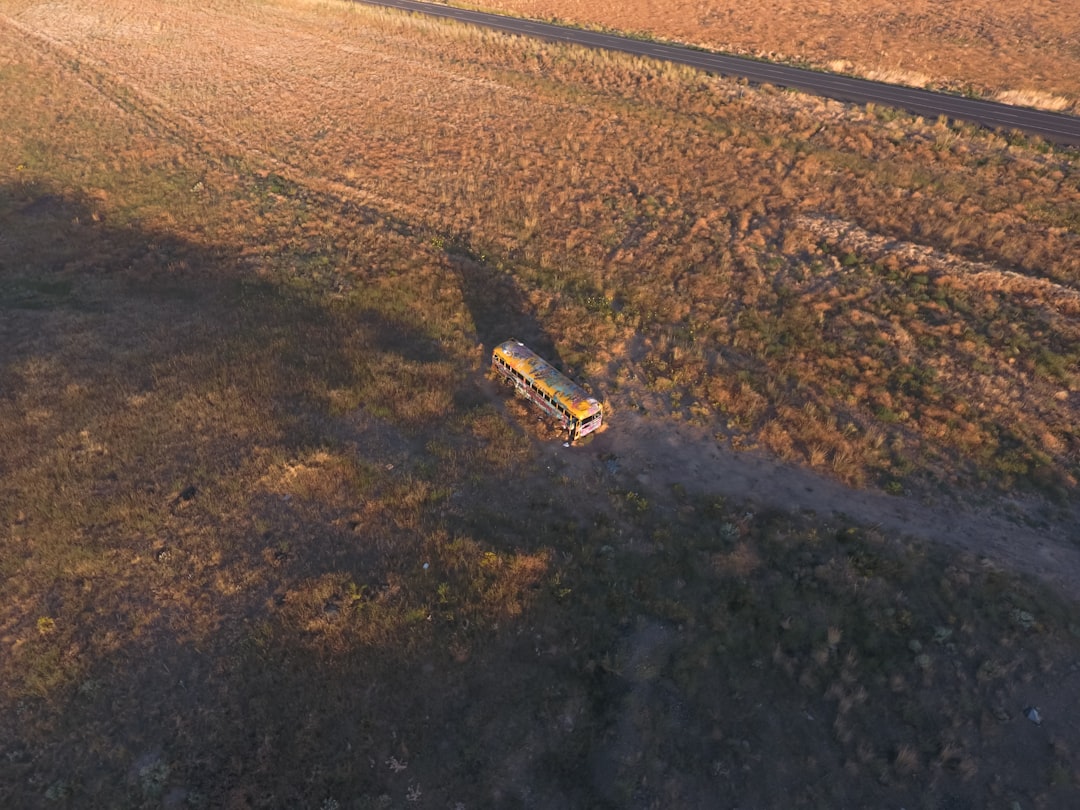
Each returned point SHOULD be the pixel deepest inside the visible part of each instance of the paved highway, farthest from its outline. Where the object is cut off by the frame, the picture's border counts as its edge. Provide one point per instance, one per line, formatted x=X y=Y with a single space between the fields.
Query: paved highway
x=1054 y=127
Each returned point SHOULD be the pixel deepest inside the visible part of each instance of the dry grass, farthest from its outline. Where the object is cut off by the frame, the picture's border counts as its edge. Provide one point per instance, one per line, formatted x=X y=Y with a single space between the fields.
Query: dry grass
x=810 y=288
x=1034 y=98
x=268 y=539
x=899 y=76
x=1025 y=53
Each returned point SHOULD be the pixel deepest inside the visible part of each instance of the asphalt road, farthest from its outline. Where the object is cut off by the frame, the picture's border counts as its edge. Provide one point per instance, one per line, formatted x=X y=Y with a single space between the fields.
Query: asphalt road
x=1054 y=127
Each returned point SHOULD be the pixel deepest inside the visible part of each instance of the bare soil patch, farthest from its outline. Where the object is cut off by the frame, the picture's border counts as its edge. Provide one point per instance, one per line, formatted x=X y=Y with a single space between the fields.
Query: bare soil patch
x=1009 y=532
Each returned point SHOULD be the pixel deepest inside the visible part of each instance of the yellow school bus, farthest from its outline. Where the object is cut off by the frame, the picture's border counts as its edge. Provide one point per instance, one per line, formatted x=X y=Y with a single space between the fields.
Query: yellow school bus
x=555 y=393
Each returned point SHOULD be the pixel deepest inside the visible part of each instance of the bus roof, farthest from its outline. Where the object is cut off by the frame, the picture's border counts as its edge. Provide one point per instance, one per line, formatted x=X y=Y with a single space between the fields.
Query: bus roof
x=572 y=396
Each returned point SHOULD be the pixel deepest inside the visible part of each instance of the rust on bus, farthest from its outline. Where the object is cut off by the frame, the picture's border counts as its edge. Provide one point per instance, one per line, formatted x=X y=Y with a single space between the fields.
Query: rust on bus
x=547 y=387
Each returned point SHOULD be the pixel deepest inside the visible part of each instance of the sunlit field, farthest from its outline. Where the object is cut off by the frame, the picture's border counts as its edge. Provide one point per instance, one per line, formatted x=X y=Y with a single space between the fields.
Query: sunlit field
x=271 y=535
x=1019 y=53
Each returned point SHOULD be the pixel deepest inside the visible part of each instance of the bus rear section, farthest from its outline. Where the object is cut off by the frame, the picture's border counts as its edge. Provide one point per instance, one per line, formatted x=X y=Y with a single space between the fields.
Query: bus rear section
x=548 y=388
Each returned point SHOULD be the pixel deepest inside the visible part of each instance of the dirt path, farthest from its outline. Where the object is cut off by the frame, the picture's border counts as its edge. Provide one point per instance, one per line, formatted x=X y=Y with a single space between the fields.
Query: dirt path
x=1025 y=536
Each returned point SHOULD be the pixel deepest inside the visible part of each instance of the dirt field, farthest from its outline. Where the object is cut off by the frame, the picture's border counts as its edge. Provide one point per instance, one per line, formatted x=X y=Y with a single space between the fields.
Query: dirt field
x=1028 y=53
x=271 y=537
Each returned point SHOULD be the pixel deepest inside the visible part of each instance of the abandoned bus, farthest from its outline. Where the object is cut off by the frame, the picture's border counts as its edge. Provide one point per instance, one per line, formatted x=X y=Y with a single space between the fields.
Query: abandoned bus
x=557 y=395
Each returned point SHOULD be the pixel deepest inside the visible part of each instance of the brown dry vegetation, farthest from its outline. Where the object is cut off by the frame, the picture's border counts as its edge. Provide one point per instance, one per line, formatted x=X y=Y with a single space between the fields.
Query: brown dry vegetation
x=252 y=260
x=1026 y=54
x=672 y=229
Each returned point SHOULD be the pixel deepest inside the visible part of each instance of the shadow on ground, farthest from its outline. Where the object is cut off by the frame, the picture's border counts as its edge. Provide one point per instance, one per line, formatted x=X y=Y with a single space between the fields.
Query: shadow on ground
x=499 y=308
x=236 y=575
x=233 y=577
x=206 y=494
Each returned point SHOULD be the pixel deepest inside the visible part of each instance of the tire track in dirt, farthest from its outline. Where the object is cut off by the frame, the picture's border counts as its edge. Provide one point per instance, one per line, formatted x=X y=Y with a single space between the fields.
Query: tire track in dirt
x=1027 y=536
x=851 y=237
x=212 y=144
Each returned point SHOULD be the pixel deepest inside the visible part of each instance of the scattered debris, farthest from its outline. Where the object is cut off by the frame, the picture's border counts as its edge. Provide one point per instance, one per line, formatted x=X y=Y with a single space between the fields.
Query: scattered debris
x=1032 y=714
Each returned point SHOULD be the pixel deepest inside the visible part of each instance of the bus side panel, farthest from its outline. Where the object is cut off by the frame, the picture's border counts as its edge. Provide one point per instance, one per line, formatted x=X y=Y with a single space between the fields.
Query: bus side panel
x=586 y=429
x=501 y=370
x=545 y=406
x=523 y=388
